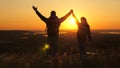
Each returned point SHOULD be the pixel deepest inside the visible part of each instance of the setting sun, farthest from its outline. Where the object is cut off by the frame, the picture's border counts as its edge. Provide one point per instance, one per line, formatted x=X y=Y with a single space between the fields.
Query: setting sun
x=72 y=21
x=69 y=24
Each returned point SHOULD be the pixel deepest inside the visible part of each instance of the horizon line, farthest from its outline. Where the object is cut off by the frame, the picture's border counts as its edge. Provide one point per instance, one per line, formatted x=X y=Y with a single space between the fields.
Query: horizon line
x=44 y=30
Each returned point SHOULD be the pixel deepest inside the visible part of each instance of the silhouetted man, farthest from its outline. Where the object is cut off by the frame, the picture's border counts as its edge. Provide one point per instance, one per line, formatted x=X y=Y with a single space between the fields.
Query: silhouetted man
x=53 y=24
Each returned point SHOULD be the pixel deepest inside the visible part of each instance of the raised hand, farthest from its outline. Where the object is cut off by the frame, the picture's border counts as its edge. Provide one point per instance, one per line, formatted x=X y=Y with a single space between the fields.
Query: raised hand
x=71 y=11
x=35 y=8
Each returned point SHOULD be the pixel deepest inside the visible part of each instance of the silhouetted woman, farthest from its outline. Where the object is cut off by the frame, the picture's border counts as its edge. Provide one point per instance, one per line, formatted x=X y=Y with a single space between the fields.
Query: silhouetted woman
x=82 y=35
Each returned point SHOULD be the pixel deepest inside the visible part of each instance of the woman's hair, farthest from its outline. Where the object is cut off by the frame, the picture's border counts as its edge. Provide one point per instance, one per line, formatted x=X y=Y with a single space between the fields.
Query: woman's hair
x=83 y=18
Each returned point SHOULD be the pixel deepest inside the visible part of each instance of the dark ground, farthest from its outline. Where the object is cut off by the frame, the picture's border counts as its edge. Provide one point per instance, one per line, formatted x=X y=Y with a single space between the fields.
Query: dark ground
x=23 y=49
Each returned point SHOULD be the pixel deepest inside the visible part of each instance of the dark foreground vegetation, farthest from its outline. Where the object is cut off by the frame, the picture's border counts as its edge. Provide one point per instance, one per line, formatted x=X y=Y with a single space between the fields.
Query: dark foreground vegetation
x=24 y=49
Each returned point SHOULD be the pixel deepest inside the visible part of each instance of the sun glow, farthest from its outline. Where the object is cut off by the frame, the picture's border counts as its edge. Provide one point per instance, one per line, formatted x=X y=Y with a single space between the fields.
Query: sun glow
x=72 y=21
x=69 y=24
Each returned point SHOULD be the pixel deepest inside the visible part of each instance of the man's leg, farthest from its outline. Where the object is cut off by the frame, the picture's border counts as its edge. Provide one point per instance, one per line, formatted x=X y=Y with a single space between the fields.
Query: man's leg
x=53 y=43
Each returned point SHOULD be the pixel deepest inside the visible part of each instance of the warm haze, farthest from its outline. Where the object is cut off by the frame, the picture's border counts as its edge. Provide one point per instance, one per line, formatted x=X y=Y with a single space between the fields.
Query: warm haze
x=19 y=15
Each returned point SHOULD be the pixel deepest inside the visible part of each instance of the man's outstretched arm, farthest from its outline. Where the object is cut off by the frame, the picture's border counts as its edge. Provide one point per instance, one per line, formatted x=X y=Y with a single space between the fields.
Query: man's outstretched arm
x=39 y=14
x=66 y=16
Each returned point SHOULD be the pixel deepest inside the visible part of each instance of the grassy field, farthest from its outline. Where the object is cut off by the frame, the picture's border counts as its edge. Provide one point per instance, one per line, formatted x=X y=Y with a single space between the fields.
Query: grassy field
x=23 y=49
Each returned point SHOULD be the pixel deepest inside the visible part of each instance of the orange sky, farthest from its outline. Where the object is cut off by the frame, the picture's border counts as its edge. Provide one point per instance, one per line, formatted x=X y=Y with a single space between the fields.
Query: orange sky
x=19 y=15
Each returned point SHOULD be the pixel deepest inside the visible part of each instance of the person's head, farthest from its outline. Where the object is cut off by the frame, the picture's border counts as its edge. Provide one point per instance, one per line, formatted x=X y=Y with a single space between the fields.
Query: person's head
x=83 y=20
x=53 y=13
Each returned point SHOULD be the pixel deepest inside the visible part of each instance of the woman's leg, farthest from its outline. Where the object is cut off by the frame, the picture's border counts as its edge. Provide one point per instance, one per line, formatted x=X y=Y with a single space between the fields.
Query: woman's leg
x=82 y=51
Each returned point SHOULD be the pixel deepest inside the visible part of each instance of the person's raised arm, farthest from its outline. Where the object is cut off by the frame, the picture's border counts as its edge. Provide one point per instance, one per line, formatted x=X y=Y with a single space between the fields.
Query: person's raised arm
x=66 y=16
x=39 y=14
x=77 y=22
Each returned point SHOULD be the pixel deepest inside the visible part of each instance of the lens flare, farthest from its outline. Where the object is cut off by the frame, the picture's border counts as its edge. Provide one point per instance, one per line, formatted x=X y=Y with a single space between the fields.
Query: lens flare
x=46 y=47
